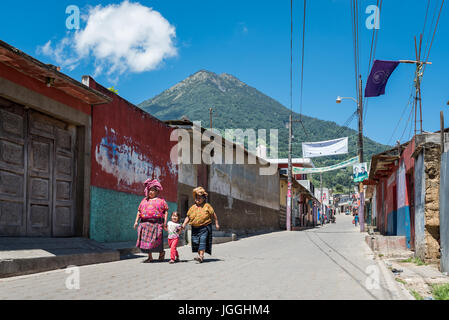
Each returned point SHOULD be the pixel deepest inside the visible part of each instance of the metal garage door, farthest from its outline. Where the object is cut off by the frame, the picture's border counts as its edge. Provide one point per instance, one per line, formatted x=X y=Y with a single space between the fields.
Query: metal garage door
x=37 y=170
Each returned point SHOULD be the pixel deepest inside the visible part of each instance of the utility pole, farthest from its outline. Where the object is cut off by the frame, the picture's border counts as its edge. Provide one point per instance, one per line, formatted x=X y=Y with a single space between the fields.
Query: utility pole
x=360 y=109
x=289 y=189
x=210 y=117
x=442 y=131
x=361 y=191
x=321 y=195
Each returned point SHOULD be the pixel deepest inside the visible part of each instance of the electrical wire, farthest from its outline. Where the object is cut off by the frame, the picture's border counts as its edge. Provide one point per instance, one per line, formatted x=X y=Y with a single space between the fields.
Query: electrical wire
x=425 y=19
x=372 y=57
x=430 y=26
x=302 y=59
x=410 y=100
x=345 y=126
x=433 y=37
x=302 y=68
x=291 y=56
x=408 y=121
x=355 y=35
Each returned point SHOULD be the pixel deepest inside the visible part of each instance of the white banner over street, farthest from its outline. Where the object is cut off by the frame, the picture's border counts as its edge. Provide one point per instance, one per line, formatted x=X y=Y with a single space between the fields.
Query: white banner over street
x=325 y=148
x=340 y=165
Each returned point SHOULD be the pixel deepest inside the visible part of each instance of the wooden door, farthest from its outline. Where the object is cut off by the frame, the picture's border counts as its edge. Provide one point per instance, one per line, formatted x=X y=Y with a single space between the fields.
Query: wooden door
x=40 y=186
x=12 y=169
x=61 y=161
x=37 y=173
x=63 y=208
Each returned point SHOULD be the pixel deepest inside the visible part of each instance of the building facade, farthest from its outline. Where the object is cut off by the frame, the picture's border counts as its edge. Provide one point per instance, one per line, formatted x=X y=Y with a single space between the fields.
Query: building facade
x=403 y=189
x=129 y=146
x=245 y=200
x=45 y=130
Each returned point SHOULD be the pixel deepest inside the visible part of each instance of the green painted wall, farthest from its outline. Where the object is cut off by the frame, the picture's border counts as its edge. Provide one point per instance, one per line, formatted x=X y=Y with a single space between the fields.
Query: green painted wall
x=112 y=215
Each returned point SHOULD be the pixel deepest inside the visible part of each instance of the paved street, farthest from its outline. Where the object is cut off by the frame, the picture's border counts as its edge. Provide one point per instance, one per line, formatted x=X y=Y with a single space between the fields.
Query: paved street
x=332 y=262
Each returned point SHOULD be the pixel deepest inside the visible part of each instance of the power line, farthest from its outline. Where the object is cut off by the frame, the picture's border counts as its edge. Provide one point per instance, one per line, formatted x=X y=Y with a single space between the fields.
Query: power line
x=291 y=56
x=355 y=35
x=435 y=10
x=425 y=19
x=345 y=126
x=408 y=121
x=434 y=32
x=302 y=63
x=372 y=57
x=410 y=100
x=302 y=68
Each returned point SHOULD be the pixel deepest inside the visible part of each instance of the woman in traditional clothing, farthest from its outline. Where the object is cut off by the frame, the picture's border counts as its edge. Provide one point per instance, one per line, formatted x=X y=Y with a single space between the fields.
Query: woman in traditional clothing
x=152 y=212
x=200 y=217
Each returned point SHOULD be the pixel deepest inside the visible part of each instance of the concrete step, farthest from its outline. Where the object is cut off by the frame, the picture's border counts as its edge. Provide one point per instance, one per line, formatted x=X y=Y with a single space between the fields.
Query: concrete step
x=21 y=256
x=389 y=246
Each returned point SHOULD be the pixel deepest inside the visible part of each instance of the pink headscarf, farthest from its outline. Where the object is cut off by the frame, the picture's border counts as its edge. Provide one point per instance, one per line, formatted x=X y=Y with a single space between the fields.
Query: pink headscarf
x=152 y=184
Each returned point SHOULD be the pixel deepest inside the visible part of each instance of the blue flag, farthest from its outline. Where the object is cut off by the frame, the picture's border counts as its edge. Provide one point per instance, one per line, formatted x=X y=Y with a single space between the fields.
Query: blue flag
x=377 y=80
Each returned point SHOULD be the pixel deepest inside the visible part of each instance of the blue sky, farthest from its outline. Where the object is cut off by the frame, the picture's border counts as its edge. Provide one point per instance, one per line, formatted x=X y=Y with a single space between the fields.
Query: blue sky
x=251 y=40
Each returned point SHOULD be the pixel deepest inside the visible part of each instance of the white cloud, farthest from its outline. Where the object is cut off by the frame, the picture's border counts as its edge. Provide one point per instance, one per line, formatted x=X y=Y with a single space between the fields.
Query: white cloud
x=127 y=37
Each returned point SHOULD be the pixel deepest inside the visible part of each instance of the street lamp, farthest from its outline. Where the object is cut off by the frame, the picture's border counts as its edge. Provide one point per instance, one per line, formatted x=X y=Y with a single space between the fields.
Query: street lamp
x=340 y=99
x=359 y=110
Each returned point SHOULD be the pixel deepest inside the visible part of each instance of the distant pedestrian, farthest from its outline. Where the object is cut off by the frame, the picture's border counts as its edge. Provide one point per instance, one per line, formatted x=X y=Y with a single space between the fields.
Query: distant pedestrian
x=356 y=219
x=200 y=217
x=174 y=229
x=152 y=213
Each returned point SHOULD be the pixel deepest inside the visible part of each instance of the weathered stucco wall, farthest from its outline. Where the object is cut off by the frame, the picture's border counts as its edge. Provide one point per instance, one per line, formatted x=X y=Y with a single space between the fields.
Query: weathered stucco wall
x=420 y=191
x=247 y=202
x=243 y=182
x=427 y=211
x=244 y=200
x=444 y=212
x=129 y=146
x=432 y=201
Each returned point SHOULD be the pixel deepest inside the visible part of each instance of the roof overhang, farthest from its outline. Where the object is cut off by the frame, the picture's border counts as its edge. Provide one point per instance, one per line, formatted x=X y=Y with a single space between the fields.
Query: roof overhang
x=383 y=164
x=49 y=75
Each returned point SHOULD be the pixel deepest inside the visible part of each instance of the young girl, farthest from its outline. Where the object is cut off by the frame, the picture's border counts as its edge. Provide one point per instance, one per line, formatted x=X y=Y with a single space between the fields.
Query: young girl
x=174 y=229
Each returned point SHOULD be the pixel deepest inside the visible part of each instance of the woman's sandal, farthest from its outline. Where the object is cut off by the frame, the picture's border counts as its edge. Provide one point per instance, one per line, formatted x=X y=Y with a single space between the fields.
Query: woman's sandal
x=148 y=261
x=162 y=256
x=199 y=259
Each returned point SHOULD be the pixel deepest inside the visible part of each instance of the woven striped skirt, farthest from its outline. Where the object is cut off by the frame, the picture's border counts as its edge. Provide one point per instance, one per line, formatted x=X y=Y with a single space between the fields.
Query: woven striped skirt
x=150 y=236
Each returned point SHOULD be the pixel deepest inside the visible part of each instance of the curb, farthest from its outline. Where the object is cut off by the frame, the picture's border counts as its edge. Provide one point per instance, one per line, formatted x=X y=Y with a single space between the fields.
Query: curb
x=397 y=291
x=20 y=267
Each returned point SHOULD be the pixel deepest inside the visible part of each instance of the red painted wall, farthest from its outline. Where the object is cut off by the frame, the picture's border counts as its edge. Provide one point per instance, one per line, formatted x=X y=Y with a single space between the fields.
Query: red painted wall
x=409 y=161
x=407 y=156
x=35 y=85
x=130 y=146
x=389 y=195
x=379 y=202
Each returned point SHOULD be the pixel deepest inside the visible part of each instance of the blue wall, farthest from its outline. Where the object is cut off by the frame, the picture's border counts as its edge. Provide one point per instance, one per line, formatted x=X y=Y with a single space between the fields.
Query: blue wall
x=112 y=215
x=403 y=224
x=392 y=223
